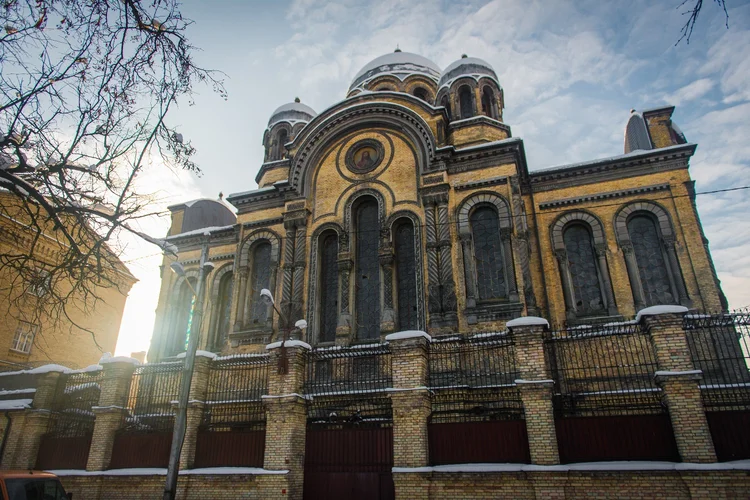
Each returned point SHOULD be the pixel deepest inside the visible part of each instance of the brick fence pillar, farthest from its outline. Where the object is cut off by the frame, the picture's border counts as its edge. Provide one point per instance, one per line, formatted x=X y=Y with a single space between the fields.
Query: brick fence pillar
x=535 y=386
x=196 y=402
x=27 y=427
x=679 y=381
x=113 y=401
x=286 y=420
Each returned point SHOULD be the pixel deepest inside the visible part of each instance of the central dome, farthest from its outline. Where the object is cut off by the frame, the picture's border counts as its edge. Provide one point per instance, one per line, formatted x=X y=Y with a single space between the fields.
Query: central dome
x=399 y=64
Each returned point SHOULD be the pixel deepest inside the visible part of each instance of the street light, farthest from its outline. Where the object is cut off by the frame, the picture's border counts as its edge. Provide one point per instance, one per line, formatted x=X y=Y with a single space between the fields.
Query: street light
x=267 y=298
x=178 y=436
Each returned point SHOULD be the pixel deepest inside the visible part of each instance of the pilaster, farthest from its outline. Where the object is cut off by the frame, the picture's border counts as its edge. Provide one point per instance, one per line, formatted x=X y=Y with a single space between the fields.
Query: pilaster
x=196 y=400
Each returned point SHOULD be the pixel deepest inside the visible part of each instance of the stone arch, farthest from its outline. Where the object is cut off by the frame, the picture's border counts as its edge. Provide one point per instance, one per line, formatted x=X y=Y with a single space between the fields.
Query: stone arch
x=274 y=149
x=313 y=290
x=483 y=198
x=418 y=264
x=214 y=301
x=253 y=238
x=175 y=309
x=335 y=124
x=662 y=217
x=557 y=227
x=244 y=301
x=350 y=203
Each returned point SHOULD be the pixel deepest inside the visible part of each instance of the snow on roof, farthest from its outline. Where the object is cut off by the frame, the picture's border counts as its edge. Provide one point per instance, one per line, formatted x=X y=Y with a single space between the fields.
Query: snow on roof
x=15 y=404
x=292 y=111
x=397 y=62
x=654 y=310
x=203 y=230
x=467 y=66
x=408 y=334
x=527 y=321
x=289 y=343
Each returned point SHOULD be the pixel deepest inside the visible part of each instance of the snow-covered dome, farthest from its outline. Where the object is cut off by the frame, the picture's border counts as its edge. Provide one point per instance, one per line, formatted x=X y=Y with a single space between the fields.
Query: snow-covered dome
x=293 y=112
x=399 y=64
x=467 y=66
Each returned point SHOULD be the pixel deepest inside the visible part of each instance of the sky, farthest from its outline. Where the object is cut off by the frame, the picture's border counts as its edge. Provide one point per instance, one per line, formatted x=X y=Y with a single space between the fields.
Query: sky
x=571 y=72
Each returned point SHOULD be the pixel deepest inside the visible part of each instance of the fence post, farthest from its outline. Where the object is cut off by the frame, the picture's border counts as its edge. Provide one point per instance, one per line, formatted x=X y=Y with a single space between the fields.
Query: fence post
x=535 y=386
x=196 y=402
x=286 y=419
x=27 y=427
x=679 y=381
x=113 y=402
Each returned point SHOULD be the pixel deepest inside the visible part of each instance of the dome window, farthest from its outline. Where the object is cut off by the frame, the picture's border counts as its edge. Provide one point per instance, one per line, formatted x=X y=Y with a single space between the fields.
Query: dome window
x=489 y=107
x=281 y=139
x=465 y=102
x=445 y=102
x=421 y=93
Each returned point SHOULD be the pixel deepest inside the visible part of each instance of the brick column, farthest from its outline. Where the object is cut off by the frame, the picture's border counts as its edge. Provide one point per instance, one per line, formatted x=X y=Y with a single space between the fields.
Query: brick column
x=679 y=381
x=196 y=402
x=111 y=410
x=535 y=386
x=286 y=421
x=411 y=403
x=28 y=427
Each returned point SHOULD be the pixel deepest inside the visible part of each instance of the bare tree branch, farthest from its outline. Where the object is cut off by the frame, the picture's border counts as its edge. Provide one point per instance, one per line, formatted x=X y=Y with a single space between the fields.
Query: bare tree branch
x=692 y=13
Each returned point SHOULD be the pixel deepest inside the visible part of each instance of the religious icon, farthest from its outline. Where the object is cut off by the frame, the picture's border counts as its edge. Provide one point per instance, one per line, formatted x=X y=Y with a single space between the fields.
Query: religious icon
x=364 y=156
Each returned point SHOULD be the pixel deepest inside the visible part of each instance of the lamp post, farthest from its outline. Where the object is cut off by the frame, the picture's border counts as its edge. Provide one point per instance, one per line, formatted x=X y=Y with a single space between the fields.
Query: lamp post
x=267 y=297
x=178 y=436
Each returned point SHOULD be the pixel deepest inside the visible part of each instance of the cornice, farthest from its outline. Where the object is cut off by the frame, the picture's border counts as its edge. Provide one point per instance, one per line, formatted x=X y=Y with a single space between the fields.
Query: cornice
x=603 y=196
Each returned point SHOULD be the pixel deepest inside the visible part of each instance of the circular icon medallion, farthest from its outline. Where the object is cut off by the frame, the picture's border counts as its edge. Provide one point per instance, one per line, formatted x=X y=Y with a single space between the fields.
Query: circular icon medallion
x=364 y=156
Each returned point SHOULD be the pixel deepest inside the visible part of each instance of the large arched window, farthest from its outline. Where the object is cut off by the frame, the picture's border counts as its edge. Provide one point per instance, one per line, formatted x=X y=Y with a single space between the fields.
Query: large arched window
x=183 y=318
x=445 y=102
x=582 y=265
x=488 y=254
x=329 y=279
x=367 y=270
x=223 y=308
x=281 y=140
x=260 y=278
x=488 y=102
x=465 y=102
x=652 y=263
x=406 y=277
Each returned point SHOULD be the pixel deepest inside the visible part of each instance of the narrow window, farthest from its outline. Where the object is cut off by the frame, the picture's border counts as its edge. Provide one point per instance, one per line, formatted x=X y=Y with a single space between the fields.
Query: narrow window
x=406 y=277
x=329 y=286
x=488 y=98
x=184 y=317
x=421 y=93
x=24 y=337
x=445 y=102
x=260 y=279
x=583 y=270
x=281 y=139
x=223 y=308
x=488 y=254
x=464 y=99
x=367 y=279
x=652 y=266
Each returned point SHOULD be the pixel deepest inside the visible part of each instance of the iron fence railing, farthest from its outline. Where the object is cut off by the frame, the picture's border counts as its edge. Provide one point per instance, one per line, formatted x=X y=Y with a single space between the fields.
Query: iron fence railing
x=358 y=369
x=153 y=390
x=233 y=397
x=75 y=395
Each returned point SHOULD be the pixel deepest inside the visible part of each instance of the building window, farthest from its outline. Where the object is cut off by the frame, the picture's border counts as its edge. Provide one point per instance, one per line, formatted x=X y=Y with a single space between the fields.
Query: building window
x=223 y=309
x=652 y=264
x=466 y=102
x=260 y=279
x=488 y=254
x=184 y=317
x=329 y=286
x=445 y=102
x=587 y=290
x=281 y=139
x=488 y=103
x=367 y=277
x=421 y=93
x=24 y=337
x=40 y=283
x=406 y=275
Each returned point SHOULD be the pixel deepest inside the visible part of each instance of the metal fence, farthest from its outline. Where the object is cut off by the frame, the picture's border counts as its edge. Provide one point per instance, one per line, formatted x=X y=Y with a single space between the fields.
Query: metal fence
x=720 y=347
x=607 y=404
x=66 y=443
x=145 y=437
x=233 y=428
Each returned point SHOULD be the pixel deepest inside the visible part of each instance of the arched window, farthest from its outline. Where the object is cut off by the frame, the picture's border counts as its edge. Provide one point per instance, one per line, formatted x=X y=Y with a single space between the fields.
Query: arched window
x=488 y=254
x=582 y=264
x=329 y=286
x=652 y=263
x=466 y=102
x=445 y=102
x=421 y=93
x=406 y=275
x=488 y=102
x=259 y=279
x=223 y=308
x=183 y=318
x=281 y=139
x=367 y=270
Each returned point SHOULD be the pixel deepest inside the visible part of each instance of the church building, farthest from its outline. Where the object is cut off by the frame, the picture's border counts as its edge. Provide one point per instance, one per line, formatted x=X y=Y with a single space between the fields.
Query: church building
x=409 y=205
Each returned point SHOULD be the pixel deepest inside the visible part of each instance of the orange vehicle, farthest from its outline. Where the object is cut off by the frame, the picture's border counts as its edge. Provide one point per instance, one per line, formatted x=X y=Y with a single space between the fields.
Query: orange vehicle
x=31 y=485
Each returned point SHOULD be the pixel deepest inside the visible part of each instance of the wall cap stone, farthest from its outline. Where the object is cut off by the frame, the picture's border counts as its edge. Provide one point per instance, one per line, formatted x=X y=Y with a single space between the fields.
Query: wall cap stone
x=108 y=358
x=288 y=343
x=208 y=471
x=521 y=381
x=408 y=334
x=527 y=321
x=656 y=310
x=199 y=353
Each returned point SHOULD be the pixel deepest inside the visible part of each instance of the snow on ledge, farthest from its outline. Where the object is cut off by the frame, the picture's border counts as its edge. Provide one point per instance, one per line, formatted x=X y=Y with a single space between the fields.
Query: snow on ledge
x=407 y=334
x=666 y=373
x=15 y=404
x=163 y=472
x=655 y=310
x=289 y=343
x=108 y=358
x=203 y=354
x=49 y=369
x=527 y=321
x=585 y=466
x=520 y=381
x=290 y=395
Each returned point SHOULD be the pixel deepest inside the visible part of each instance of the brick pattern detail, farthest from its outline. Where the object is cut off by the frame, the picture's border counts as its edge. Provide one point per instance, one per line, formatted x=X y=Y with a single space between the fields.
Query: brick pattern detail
x=681 y=393
x=198 y=390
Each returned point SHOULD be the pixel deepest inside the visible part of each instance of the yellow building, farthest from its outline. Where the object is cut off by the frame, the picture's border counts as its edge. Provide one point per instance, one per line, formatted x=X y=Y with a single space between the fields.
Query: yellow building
x=409 y=205
x=28 y=337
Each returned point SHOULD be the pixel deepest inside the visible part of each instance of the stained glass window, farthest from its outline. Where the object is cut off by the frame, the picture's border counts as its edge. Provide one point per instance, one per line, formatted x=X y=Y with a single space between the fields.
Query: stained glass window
x=406 y=278
x=183 y=317
x=464 y=99
x=367 y=278
x=223 y=309
x=260 y=279
x=488 y=254
x=583 y=270
x=649 y=255
x=329 y=287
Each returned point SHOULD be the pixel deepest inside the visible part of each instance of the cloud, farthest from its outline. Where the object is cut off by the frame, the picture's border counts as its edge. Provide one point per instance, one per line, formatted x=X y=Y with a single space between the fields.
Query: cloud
x=690 y=92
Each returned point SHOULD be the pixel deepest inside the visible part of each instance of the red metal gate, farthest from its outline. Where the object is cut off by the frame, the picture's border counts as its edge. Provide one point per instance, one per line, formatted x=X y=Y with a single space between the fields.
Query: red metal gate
x=349 y=463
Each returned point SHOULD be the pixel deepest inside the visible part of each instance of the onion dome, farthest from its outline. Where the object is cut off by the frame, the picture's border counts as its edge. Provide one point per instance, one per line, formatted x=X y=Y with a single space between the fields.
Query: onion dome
x=292 y=113
x=399 y=64
x=467 y=66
